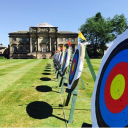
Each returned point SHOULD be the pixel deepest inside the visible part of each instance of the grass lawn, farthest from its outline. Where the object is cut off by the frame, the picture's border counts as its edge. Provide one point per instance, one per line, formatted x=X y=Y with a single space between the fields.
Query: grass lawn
x=30 y=95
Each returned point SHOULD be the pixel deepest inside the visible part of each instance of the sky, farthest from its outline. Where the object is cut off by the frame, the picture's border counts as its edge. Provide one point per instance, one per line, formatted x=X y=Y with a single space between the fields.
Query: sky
x=67 y=15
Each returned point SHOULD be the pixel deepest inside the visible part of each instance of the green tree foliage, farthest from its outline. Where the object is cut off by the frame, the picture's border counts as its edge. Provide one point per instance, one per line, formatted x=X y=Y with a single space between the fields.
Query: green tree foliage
x=100 y=31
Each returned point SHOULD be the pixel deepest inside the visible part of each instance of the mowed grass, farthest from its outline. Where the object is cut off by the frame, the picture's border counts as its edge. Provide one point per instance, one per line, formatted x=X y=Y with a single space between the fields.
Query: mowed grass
x=30 y=95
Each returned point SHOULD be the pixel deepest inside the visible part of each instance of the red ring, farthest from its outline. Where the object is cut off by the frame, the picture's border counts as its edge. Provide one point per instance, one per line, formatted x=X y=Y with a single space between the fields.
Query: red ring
x=116 y=106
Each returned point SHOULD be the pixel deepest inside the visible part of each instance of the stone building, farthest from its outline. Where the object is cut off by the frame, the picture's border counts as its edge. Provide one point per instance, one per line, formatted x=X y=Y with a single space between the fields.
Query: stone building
x=40 y=41
x=4 y=51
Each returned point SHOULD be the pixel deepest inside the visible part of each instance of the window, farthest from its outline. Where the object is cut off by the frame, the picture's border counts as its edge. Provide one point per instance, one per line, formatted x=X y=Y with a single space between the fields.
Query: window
x=27 y=39
x=13 y=39
x=61 y=39
x=21 y=49
x=73 y=39
x=27 y=49
x=21 y=39
x=44 y=49
x=66 y=39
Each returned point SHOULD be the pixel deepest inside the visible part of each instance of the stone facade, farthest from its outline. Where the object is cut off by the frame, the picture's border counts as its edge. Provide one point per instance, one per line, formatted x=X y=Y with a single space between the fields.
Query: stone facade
x=40 y=42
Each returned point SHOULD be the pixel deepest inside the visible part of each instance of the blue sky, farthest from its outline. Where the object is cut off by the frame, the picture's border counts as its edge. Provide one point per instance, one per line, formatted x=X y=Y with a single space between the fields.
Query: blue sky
x=67 y=15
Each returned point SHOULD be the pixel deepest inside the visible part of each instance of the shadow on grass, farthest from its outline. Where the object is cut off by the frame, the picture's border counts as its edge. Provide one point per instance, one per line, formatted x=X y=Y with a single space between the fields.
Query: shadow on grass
x=48 y=64
x=47 y=70
x=85 y=125
x=40 y=110
x=46 y=73
x=45 y=79
x=66 y=84
x=60 y=107
x=44 y=88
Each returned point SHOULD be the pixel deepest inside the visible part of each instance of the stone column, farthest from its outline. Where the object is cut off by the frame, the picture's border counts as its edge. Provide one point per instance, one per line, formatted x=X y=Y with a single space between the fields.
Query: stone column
x=50 y=43
x=56 y=42
x=17 y=47
x=30 y=43
x=37 y=43
x=11 y=47
x=55 y=46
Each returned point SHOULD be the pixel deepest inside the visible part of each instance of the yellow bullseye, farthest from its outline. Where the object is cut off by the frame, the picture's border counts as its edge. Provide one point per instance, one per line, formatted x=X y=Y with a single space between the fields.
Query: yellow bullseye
x=73 y=66
x=117 y=86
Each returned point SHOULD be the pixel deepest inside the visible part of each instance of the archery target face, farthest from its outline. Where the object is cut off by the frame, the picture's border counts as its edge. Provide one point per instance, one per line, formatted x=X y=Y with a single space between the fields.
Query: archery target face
x=55 y=58
x=76 y=66
x=66 y=60
x=58 y=60
x=62 y=57
x=109 y=101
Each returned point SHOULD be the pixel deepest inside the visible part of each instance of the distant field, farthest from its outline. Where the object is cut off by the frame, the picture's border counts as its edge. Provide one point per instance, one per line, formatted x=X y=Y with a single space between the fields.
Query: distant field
x=30 y=95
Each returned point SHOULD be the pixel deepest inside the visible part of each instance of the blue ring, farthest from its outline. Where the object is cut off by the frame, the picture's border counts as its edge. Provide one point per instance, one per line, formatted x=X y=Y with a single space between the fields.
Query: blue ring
x=76 y=56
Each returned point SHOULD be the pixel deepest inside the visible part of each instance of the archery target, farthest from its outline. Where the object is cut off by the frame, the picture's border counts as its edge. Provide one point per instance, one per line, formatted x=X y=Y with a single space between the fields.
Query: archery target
x=109 y=101
x=61 y=57
x=66 y=60
x=57 y=55
x=58 y=58
x=76 y=66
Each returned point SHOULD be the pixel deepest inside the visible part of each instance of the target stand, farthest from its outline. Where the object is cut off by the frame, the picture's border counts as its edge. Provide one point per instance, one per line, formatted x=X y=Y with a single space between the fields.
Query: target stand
x=56 y=61
x=59 y=65
x=90 y=65
x=74 y=94
x=74 y=75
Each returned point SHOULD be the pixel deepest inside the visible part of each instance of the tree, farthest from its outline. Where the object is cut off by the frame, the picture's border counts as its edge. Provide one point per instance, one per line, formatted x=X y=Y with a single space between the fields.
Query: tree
x=99 y=31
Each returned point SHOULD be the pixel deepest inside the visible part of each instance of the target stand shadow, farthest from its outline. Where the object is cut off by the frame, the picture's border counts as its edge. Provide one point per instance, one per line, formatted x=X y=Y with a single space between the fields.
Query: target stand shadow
x=41 y=110
x=44 y=88
x=45 y=79
x=46 y=73
x=47 y=70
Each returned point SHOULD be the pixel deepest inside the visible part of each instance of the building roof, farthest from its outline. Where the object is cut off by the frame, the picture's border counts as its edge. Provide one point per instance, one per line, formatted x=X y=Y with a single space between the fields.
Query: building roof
x=44 y=25
x=67 y=32
x=20 y=32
